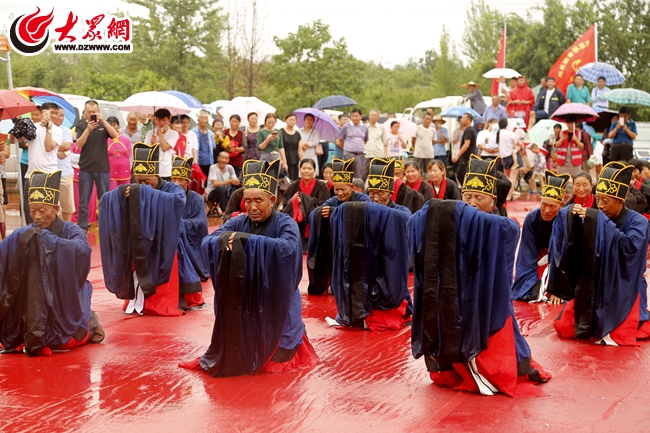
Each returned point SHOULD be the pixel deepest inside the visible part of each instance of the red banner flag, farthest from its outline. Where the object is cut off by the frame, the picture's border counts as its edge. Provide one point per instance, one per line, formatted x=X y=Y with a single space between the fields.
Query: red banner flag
x=581 y=52
x=501 y=61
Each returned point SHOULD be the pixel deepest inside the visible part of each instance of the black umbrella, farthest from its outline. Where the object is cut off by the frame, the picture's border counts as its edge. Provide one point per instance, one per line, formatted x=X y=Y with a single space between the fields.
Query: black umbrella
x=604 y=121
x=335 y=101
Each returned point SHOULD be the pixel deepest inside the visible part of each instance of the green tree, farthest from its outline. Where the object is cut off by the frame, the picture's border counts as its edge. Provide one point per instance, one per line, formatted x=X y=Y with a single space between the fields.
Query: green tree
x=393 y=89
x=624 y=33
x=312 y=65
x=449 y=72
x=179 y=40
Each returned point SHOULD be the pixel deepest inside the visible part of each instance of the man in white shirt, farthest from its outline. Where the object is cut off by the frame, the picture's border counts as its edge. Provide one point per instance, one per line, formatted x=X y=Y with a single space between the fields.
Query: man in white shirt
x=43 y=150
x=66 y=188
x=222 y=181
x=192 y=147
x=376 y=140
x=167 y=138
x=423 y=143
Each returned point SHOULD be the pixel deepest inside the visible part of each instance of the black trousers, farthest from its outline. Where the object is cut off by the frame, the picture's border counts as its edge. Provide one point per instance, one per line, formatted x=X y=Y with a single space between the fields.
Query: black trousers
x=220 y=195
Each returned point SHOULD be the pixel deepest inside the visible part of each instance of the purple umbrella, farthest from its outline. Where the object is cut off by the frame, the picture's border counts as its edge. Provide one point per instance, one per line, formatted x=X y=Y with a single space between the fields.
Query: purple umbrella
x=580 y=112
x=327 y=128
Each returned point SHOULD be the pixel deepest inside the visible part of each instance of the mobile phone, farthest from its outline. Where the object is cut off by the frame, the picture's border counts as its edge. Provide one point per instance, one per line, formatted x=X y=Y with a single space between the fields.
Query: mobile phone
x=93 y=118
x=621 y=121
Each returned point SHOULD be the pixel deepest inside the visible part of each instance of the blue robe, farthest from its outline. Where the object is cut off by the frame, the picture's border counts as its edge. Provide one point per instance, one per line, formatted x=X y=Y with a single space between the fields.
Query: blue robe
x=599 y=263
x=319 y=245
x=44 y=293
x=192 y=268
x=535 y=237
x=143 y=229
x=371 y=260
x=400 y=208
x=257 y=303
x=463 y=261
x=356 y=196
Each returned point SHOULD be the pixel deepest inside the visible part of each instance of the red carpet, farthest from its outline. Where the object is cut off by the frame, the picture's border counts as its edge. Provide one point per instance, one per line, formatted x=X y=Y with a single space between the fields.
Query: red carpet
x=364 y=381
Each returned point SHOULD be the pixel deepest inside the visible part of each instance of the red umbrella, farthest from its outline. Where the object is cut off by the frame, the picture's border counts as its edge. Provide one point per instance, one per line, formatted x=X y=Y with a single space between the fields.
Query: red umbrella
x=13 y=105
x=577 y=111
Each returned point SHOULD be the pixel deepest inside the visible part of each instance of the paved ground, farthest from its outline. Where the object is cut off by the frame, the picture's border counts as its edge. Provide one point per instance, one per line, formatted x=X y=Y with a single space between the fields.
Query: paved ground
x=364 y=381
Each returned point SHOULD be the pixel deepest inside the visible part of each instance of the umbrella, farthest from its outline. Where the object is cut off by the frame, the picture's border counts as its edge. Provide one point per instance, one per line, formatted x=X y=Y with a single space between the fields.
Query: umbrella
x=188 y=99
x=68 y=110
x=604 y=121
x=458 y=111
x=243 y=105
x=40 y=96
x=335 y=101
x=327 y=128
x=628 y=96
x=501 y=72
x=149 y=102
x=542 y=130
x=407 y=128
x=593 y=71
x=216 y=105
x=13 y=105
x=29 y=92
x=581 y=112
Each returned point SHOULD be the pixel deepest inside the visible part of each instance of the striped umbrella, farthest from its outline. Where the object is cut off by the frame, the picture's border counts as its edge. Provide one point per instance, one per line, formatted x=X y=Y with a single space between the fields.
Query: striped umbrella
x=593 y=71
x=628 y=97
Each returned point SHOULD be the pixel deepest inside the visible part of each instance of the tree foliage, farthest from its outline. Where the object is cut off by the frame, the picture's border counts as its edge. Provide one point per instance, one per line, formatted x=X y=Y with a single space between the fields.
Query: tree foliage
x=312 y=65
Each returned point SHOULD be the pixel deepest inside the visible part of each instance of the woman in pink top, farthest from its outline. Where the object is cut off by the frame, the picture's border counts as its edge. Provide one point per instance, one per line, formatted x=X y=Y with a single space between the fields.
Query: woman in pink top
x=119 y=156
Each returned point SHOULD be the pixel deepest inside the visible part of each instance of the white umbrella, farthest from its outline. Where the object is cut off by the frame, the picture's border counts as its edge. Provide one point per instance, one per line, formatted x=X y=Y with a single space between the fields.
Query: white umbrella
x=501 y=72
x=149 y=102
x=243 y=105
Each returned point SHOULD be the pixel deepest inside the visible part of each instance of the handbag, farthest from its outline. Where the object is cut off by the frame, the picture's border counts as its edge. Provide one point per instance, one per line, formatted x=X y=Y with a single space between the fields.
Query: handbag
x=23 y=128
x=318 y=149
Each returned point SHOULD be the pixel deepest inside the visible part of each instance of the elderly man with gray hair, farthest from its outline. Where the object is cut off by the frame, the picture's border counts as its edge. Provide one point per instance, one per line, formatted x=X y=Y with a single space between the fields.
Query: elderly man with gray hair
x=376 y=140
x=132 y=130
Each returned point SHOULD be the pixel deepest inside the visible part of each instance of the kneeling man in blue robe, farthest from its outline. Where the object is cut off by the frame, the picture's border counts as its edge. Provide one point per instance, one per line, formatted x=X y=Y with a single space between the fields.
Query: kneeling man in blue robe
x=255 y=263
x=45 y=294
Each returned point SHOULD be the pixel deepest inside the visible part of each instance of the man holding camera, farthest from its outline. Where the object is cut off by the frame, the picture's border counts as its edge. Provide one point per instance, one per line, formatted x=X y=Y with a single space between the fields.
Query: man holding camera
x=622 y=134
x=43 y=149
x=92 y=134
x=167 y=138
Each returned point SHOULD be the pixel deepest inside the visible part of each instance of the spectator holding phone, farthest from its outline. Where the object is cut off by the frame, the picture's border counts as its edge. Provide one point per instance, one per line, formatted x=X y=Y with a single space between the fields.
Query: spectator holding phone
x=92 y=134
x=270 y=141
x=622 y=134
x=167 y=138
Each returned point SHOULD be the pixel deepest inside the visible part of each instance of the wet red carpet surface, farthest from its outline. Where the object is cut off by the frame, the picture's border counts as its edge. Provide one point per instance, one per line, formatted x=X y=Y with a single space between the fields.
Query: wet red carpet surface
x=364 y=381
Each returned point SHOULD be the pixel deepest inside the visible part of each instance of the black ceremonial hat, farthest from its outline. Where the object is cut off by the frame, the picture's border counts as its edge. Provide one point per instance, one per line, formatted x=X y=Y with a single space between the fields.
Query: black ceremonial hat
x=261 y=175
x=145 y=159
x=182 y=167
x=481 y=175
x=614 y=180
x=44 y=187
x=399 y=163
x=381 y=174
x=555 y=185
x=343 y=172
